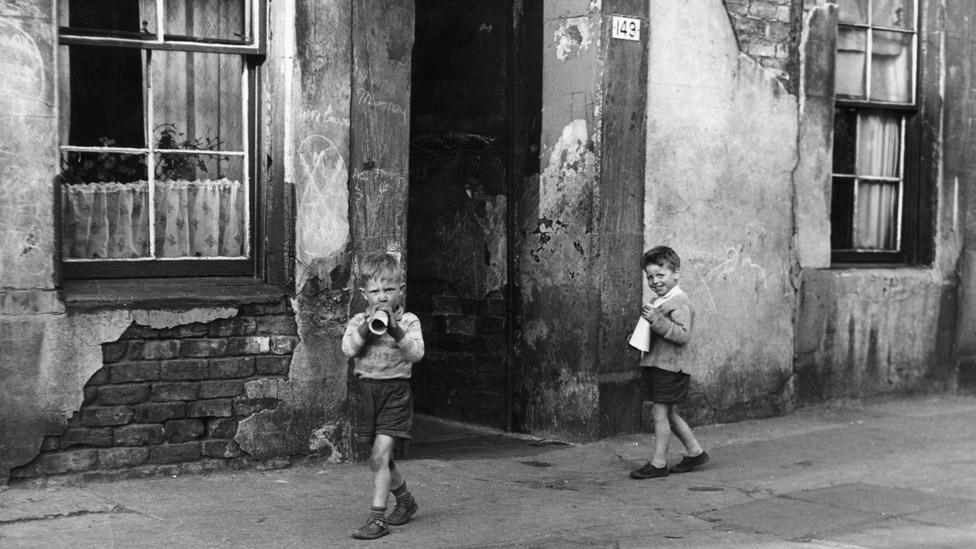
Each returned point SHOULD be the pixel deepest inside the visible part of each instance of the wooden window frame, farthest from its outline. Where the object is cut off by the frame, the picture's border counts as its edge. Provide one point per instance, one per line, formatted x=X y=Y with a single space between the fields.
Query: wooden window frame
x=253 y=52
x=915 y=235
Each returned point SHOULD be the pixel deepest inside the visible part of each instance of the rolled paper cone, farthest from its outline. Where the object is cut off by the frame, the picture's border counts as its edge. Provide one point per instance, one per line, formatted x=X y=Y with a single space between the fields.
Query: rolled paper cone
x=378 y=322
x=641 y=338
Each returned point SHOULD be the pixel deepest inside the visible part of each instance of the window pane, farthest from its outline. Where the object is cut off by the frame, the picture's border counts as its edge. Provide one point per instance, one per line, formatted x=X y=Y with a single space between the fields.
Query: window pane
x=845 y=141
x=102 y=91
x=899 y=14
x=197 y=100
x=877 y=211
x=852 y=11
x=891 y=66
x=122 y=18
x=842 y=213
x=105 y=206
x=879 y=145
x=219 y=20
x=851 y=48
x=201 y=218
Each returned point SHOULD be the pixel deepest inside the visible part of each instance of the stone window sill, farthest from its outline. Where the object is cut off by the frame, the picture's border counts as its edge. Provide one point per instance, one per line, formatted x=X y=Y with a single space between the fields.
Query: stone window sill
x=146 y=293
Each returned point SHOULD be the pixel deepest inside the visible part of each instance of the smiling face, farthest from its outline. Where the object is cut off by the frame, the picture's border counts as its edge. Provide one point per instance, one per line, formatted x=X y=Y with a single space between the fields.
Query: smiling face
x=661 y=278
x=382 y=293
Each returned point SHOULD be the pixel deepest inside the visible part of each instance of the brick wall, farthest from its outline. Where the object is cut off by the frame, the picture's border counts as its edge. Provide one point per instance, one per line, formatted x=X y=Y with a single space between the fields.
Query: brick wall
x=169 y=400
x=769 y=31
x=462 y=375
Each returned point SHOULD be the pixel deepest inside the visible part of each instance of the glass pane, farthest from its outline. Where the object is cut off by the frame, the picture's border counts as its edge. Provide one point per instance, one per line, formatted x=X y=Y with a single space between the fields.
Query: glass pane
x=845 y=140
x=120 y=18
x=852 y=11
x=842 y=213
x=102 y=97
x=851 y=48
x=193 y=166
x=899 y=14
x=891 y=66
x=879 y=145
x=102 y=167
x=877 y=211
x=209 y=20
x=201 y=218
x=197 y=101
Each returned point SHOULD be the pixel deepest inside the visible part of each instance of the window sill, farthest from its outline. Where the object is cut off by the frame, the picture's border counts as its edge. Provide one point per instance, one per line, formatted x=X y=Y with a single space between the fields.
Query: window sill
x=129 y=293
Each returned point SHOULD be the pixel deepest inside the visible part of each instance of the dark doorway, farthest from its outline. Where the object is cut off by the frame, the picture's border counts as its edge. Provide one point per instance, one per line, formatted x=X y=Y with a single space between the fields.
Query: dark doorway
x=474 y=134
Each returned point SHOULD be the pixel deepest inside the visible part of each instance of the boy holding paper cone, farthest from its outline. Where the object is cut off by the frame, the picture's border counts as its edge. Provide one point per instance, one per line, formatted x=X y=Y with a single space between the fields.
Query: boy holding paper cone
x=663 y=330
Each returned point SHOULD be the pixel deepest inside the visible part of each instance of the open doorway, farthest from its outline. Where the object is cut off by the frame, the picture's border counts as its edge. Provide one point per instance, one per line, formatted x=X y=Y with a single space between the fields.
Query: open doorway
x=474 y=134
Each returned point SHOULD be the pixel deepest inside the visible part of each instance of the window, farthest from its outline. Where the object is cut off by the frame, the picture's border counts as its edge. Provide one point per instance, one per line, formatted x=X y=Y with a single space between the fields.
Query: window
x=158 y=134
x=876 y=188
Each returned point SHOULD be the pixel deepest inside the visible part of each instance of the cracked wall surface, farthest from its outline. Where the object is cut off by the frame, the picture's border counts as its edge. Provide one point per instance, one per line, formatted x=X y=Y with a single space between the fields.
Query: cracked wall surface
x=722 y=147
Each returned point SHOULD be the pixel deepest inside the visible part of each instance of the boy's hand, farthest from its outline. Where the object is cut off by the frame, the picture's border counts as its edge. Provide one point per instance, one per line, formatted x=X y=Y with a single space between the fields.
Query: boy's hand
x=651 y=314
x=392 y=326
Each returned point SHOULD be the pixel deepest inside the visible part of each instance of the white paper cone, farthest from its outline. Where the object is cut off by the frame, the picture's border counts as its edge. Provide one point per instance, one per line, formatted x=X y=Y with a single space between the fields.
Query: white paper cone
x=641 y=338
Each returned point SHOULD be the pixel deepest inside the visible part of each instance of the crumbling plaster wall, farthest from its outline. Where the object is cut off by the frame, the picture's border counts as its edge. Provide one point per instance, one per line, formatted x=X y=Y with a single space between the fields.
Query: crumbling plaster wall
x=560 y=298
x=310 y=68
x=722 y=148
x=960 y=170
x=49 y=355
x=30 y=311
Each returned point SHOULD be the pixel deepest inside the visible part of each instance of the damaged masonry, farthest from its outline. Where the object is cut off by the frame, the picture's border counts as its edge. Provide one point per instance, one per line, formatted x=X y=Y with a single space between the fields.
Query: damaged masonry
x=189 y=187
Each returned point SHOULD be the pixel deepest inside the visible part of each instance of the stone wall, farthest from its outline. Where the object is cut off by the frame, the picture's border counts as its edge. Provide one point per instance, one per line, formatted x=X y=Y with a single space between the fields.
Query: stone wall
x=171 y=399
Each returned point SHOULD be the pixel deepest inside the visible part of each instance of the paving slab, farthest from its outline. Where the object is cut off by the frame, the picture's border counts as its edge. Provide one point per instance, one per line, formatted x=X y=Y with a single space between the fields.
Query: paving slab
x=890 y=473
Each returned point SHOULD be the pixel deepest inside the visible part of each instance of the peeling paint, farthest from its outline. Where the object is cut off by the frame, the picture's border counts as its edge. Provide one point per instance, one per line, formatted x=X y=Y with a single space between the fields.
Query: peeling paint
x=567 y=187
x=574 y=36
x=158 y=318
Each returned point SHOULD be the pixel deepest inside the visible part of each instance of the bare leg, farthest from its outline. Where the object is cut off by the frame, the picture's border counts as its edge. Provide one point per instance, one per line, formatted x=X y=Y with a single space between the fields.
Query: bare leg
x=396 y=479
x=379 y=462
x=683 y=432
x=662 y=433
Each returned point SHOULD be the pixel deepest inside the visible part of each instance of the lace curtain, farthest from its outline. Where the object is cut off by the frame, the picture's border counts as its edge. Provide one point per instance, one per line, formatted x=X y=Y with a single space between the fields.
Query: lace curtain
x=193 y=219
x=877 y=201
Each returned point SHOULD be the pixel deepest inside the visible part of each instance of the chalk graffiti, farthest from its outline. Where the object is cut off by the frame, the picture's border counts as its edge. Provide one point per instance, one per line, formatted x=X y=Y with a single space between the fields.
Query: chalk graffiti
x=322 y=227
x=25 y=86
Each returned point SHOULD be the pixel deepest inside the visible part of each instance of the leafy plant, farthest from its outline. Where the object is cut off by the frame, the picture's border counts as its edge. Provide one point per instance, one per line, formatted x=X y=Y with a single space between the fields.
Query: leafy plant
x=98 y=167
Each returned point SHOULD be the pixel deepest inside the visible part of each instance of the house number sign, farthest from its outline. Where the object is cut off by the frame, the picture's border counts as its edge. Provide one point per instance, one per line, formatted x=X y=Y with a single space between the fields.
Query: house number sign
x=626 y=28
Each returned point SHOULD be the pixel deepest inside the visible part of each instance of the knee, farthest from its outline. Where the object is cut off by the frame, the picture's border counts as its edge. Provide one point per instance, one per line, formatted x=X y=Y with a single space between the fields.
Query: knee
x=660 y=413
x=378 y=461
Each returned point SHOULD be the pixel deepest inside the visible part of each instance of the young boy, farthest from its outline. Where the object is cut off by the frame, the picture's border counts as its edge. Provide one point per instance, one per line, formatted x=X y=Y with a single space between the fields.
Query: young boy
x=383 y=357
x=671 y=318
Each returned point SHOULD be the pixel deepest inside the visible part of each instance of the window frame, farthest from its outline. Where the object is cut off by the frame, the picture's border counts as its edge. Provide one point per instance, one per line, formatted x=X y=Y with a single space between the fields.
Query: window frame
x=253 y=55
x=913 y=236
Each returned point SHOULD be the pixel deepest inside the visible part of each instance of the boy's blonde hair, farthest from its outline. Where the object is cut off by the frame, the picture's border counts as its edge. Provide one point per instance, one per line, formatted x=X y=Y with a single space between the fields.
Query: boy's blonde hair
x=380 y=266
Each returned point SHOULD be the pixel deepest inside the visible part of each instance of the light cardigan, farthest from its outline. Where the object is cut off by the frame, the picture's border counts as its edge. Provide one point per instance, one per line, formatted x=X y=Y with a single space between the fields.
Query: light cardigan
x=382 y=357
x=670 y=332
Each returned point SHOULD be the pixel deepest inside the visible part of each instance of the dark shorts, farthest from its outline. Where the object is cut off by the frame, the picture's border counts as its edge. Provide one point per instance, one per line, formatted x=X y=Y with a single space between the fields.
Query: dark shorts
x=663 y=386
x=383 y=407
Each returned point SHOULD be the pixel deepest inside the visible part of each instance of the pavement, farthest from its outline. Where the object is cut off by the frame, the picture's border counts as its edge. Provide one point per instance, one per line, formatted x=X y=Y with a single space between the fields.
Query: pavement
x=887 y=473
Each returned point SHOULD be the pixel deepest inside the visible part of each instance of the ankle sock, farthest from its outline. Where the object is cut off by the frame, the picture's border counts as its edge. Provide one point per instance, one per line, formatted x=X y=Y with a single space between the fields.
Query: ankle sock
x=377 y=512
x=401 y=493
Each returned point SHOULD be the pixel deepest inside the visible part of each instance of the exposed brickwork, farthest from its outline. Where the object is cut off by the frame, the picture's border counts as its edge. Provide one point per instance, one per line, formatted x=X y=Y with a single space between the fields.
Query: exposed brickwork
x=465 y=358
x=171 y=399
x=769 y=31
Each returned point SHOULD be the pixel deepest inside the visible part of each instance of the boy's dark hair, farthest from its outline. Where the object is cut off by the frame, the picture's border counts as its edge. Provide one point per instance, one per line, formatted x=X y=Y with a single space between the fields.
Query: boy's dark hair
x=380 y=266
x=661 y=256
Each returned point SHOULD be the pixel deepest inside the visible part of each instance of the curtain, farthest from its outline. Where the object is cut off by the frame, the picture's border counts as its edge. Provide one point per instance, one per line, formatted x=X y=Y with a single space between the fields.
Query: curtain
x=879 y=155
x=193 y=219
x=199 y=218
x=106 y=220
